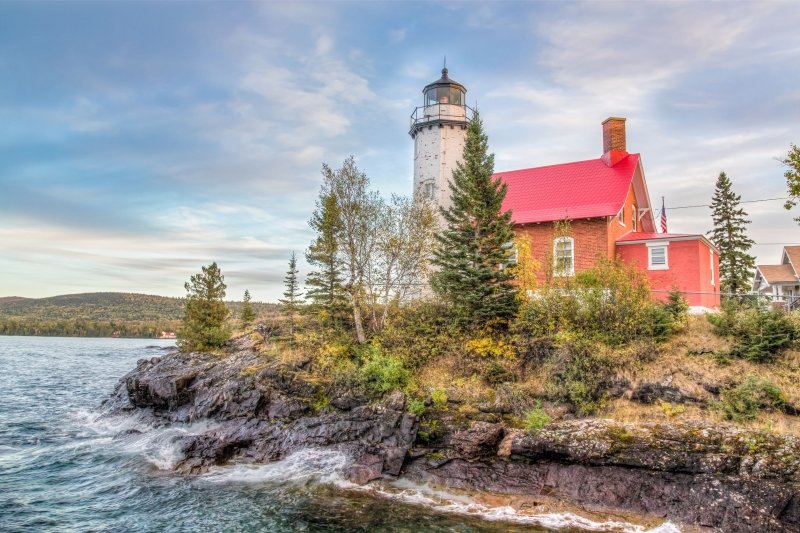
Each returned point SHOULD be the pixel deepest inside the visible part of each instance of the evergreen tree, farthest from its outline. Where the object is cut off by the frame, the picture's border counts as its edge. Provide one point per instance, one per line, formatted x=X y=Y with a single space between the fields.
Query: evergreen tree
x=291 y=296
x=476 y=242
x=324 y=287
x=247 y=314
x=205 y=312
x=792 y=176
x=729 y=236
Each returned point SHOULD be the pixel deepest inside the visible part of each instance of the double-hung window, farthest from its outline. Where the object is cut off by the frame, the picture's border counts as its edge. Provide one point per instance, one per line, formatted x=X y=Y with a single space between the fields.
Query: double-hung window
x=658 y=256
x=634 y=219
x=711 y=264
x=564 y=256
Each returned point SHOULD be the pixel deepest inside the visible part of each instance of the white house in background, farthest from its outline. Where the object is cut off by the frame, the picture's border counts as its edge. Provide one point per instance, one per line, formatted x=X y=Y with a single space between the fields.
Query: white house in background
x=780 y=283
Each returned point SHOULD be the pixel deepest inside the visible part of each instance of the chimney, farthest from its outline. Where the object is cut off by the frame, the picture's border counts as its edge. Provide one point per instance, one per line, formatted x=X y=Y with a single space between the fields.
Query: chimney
x=614 y=149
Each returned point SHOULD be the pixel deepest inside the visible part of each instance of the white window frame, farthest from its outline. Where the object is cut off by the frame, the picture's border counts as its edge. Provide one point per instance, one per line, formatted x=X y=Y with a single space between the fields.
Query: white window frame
x=621 y=216
x=556 y=270
x=634 y=220
x=650 y=246
x=711 y=265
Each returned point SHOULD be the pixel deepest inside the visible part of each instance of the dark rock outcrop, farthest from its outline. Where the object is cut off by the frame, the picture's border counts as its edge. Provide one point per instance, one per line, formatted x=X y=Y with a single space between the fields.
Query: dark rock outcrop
x=718 y=477
x=262 y=413
x=722 y=478
x=651 y=393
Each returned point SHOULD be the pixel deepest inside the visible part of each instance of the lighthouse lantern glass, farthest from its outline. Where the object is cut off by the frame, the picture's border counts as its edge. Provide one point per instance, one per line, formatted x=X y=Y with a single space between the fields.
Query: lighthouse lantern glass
x=444 y=95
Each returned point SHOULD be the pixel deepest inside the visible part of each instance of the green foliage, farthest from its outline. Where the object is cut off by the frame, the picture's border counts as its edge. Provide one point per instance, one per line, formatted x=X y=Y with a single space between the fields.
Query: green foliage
x=792 y=175
x=205 y=312
x=610 y=302
x=730 y=237
x=760 y=333
x=383 y=373
x=439 y=399
x=81 y=327
x=678 y=308
x=671 y=409
x=416 y=406
x=418 y=332
x=581 y=374
x=744 y=401
x=429 y=432
x=291 y=296
x=325 y=289
x=496 y=373
x=247 y=314
x=476 y=243
x=536 y=418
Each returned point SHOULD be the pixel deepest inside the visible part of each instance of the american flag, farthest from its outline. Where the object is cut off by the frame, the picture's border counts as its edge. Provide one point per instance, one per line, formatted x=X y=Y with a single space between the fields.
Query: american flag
x=663 y=217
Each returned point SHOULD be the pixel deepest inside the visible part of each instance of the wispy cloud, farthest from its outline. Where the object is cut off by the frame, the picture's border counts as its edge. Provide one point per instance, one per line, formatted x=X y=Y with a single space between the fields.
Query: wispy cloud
x=130 y=156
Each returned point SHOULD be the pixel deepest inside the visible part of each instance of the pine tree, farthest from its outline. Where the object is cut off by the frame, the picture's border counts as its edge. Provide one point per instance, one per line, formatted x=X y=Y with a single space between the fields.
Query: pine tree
x=792 y=176
x=291 y=296
x=247 y=314
x=476 y=242
x=325 y=289
x=729 y=236
x=205 y=312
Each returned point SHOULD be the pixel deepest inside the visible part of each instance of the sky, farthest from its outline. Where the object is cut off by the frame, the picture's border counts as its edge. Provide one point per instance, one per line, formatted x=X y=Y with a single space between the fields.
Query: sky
x=142 y=140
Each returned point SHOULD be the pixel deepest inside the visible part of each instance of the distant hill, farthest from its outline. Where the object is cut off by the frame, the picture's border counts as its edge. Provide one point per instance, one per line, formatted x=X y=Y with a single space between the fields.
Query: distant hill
x=98 y=314
x=94 y=306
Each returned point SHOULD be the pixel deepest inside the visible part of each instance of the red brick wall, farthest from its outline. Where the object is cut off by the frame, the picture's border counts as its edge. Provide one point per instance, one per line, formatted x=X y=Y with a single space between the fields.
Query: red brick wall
x=590 y=241
x=617 y=230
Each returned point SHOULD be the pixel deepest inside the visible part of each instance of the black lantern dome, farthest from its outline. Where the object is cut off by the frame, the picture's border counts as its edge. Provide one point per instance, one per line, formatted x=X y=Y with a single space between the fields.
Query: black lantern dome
x=444 y=91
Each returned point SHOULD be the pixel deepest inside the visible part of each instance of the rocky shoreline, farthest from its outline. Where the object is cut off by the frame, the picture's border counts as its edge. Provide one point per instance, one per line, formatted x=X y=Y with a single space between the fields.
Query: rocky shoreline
x=701 y=476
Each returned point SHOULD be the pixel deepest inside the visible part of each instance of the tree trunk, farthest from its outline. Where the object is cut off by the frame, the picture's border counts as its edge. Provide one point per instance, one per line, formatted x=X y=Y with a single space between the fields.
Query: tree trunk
x=359 y=324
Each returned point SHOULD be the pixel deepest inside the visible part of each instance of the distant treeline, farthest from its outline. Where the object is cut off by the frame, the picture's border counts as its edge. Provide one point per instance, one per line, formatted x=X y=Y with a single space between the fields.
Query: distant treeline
x=145 y=329
x=99 y=314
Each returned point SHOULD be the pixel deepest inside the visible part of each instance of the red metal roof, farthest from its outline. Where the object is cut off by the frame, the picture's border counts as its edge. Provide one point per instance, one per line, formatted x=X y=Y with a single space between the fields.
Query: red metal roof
x=583 y=189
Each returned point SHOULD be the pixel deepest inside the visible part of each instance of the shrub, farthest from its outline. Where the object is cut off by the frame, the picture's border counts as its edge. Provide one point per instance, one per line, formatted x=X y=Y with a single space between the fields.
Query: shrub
x=582 y=372
x=418 y=333
x=610 y=302
x=383 y=373
x=489 y=347
x=496 y=373
x=536 y=418
x=439 y=398
x=416 y=406
x=760 y=333
x=429 y=432
x=678 y=308
x=744 y=401
x=671 y=409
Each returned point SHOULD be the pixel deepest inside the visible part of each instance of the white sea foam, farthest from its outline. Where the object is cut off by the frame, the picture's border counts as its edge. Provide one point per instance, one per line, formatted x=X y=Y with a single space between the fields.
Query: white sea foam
x=444 y=502
x=312 y=465
x=158 y=446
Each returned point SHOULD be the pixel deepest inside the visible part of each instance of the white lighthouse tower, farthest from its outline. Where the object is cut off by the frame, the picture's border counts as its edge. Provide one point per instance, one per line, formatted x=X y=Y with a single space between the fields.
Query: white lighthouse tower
x=439 y=129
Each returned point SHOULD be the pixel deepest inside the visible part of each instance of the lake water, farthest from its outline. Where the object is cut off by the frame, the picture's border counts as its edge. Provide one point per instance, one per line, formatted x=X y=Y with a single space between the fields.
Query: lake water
x=62 y=469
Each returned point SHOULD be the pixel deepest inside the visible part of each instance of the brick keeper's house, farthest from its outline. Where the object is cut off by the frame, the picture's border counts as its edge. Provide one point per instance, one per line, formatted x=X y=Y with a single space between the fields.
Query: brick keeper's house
x=610 y=215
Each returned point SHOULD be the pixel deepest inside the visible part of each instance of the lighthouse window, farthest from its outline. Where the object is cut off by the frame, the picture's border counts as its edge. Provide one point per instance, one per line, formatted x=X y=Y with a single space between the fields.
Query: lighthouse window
x=455 y=96
x=430 y=97
x=429 y=190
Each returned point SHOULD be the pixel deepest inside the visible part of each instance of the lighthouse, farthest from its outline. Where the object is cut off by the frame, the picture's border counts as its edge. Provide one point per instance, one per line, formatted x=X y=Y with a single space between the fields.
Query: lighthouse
x=439 y=130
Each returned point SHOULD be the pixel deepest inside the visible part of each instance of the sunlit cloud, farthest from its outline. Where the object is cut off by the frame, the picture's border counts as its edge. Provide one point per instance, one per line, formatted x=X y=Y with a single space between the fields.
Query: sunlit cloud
x=130 y=159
